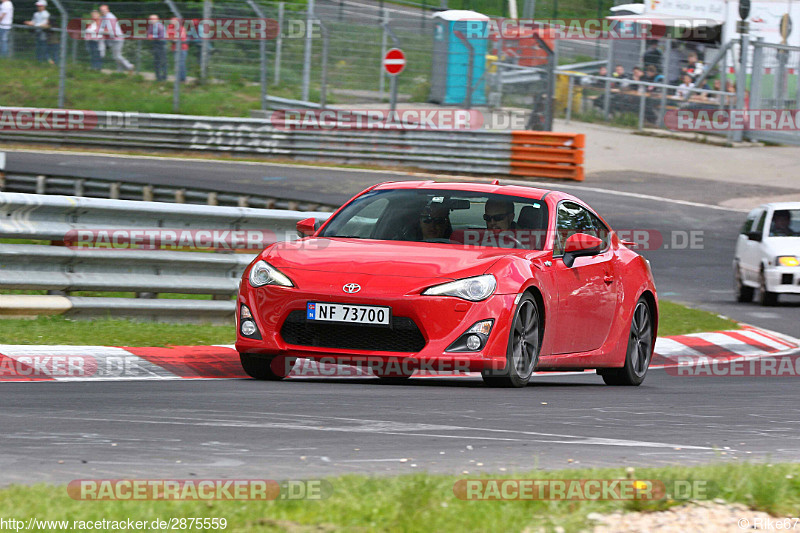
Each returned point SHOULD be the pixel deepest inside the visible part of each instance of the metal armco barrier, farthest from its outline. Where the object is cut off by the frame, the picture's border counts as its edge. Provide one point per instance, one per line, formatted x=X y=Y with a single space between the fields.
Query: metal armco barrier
x=548 y=155
x=475 y=152
x=145 y=272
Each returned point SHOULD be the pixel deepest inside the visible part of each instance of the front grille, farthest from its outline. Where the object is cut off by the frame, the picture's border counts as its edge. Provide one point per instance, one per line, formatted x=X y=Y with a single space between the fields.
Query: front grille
x=787 y=279
x=403 y=336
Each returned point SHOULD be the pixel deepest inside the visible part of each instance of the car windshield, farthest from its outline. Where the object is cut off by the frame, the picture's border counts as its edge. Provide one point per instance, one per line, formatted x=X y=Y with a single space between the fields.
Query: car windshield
x=785 y=223
x=443 y=216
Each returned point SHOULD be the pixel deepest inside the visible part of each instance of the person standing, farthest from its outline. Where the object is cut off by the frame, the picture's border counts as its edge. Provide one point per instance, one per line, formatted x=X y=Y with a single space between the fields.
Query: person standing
x=41 y=22
x=156 y=34
x=116 y=40
x=6 y=20
x=94 y=41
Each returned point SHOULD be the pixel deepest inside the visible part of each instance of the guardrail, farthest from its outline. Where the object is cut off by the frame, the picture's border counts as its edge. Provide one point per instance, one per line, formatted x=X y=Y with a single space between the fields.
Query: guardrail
x=550 y=155
x=148 y=273
x=115 y=189
x=476 y=151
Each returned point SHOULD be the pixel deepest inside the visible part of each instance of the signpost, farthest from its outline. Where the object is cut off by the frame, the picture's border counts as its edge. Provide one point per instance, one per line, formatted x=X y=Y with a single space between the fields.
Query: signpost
x=394 y=61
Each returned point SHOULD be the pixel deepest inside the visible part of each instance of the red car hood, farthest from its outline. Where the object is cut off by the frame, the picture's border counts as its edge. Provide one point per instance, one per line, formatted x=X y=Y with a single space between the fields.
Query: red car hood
x=384 y=258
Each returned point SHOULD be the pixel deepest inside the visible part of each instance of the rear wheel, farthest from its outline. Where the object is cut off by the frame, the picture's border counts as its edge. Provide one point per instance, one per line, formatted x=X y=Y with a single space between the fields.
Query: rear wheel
x=640 y=349
x=764 y=296
x=524 y=343
x=269 y=368
x=744 y=293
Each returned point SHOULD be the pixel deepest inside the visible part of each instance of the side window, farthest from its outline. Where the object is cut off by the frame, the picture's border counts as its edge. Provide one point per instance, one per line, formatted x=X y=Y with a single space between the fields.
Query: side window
x=748 y=223
x=601 y=230
x=363 y=223
x=571 y=219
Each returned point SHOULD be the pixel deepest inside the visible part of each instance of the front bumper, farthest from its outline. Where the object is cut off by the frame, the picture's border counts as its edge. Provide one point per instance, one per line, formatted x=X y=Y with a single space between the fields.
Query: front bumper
x=784 y=280
x=441 y=320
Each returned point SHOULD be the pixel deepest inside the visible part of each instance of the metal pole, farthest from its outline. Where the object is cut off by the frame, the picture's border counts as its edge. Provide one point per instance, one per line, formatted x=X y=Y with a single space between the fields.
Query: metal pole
x=667 y=54
x=607 y=94
x=393 y=99
x=323 y=90
x=307 y=51
x=570 y=87
x=279 y=44
x=262 y=51
x=176 y=88
x=384 y=32
x=756 y=75
x=205 y=44
x=741 y=82
x=62 y=63
x=642 y=103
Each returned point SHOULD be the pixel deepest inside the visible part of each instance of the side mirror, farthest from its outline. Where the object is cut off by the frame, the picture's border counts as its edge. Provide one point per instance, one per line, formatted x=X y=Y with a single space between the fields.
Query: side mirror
x=754 y=236
x=581 y=245
x=306 y=227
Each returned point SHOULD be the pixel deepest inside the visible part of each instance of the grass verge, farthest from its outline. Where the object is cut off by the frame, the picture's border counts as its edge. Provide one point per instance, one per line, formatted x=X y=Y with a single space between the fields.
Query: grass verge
x=424 y=502
x=675 y=319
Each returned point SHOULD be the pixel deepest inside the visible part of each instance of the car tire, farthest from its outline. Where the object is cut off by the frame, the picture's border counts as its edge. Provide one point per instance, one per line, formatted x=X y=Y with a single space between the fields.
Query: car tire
x=744 y=294
x=266 y=368
x=394 y=379
x=639 y=351
x=524 y=344
x=765 y=297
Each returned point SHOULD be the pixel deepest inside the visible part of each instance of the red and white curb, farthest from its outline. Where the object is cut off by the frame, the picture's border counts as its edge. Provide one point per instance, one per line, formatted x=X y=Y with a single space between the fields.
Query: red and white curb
x=112 y=363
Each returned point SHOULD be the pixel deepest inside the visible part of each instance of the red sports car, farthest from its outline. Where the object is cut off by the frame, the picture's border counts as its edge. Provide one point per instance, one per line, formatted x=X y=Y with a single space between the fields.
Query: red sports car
x=505 y=280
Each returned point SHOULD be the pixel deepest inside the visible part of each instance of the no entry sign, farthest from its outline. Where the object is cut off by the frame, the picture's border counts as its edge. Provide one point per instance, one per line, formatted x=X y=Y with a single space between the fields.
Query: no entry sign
x=394 y=61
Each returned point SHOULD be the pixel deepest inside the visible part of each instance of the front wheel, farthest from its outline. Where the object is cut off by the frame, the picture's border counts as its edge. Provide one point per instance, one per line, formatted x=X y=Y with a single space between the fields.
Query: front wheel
x=640 y=349
x=524 y=343
x=765 y=297
x=266 y=368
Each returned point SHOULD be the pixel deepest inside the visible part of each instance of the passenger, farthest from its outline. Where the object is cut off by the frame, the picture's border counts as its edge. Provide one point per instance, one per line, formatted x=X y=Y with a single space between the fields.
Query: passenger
x=782 y=225
x=499 y=214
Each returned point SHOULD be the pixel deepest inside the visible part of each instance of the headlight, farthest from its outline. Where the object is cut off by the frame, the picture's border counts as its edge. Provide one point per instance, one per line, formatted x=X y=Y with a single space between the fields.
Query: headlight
x=788 y=261
x=472 y=289
x=263 y=273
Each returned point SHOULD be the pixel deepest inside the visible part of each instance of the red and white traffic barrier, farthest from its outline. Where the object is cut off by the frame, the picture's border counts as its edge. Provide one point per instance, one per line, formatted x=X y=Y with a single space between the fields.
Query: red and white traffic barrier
x=112 y=363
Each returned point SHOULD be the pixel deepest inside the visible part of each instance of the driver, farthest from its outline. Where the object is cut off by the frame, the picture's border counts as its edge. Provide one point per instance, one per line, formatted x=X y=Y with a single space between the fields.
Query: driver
x=781 y=224
x=434 y=222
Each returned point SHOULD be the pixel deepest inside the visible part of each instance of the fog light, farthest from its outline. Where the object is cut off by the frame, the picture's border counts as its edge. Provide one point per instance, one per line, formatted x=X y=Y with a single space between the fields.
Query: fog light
x=248 y=327
x=473 y=342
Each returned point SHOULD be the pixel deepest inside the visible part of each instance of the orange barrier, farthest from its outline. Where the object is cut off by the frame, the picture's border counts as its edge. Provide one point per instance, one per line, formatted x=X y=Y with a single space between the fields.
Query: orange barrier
x=544 y=154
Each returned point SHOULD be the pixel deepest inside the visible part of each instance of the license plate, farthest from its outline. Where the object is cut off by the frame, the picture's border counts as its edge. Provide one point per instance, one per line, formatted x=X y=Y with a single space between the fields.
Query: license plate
x=352 y=314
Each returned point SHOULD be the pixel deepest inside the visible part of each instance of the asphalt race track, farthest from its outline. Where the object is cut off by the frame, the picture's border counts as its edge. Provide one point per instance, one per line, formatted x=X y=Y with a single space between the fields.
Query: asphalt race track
x=306 y=428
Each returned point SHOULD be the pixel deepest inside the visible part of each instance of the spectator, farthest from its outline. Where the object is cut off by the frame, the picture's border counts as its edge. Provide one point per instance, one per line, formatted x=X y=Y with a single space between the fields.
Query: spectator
x=652 y=76
x=116 y=40
x=176 y=31
x=652 y=55
x=619 y=73
x=94 y=42
x=730 y=87
x=40 y=21
x=158 y=46
x=638 y=75
x=694 y=67
x=6 y=20
x=684 y=89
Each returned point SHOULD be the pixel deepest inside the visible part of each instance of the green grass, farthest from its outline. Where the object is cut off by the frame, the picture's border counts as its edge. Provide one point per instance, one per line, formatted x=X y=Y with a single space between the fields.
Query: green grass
x=110 y=332
x=423 y=502
x=675 y=319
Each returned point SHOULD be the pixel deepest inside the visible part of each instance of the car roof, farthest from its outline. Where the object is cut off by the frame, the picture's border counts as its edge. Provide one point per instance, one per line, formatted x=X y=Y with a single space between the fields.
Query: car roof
x=775 y=206
x=510 y=190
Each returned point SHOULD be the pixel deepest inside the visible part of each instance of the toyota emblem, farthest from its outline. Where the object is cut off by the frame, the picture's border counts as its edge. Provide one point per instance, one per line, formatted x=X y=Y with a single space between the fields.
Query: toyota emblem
x=350 y=288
